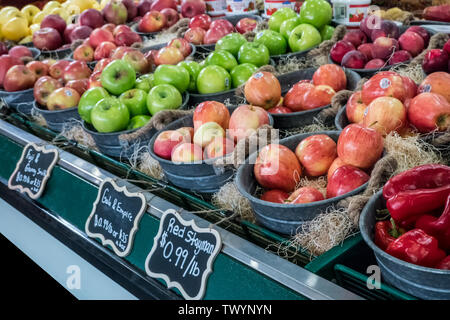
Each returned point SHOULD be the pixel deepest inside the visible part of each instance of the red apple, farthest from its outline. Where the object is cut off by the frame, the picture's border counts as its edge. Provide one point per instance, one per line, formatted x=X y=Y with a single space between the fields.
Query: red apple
x=331 y=75
x=127 y=38
x=168 y=55
x=63 y=98
x=359 y=146
x=447 y=47
x=263 y=89
x=115 y=12
x=79 y=85
x=120 y=51
x=245 y=120
x=275 y=195
x=101 y=64
x=411 y=42
x=91 y=18
x=295 y=97
x=277 y=167
x=39 y=68
x=435 y=60
x=383 y=84
x=279 y=110
x=367 y=50
x=144 y=7
x=399 y=56
x=317 y=97
x=104 y=50
x=171 y=15
x=187 y=132
x=245 y=25
x=345 y=179
x=385 y=114
x=3 y=48
x=218 y=147
x=49 y=62
x=437 y=82
x=187 y=152
x=43 y=87
x=100 y=35
x=182 y=45
x=337 y=163
x=94 y=80
x=158 y=5
x=54 y=21
x=20 y=51
x=384 y=47
x=152 y=21
x=214 y=35
x=121 y=28
x=386 y=29
x=354 y=59
x=195 y=35
x=410 y=88
x=222 y=24
x=132 y=9
x=80 y=32
x=339 y=50
x=191 y=8
x=421 y=32
x=109 y=27
x=84 y=53
x=200 y=21
x=305 y=195
x=56 y=70
x=166 y=142
x=76 y=70
x=47 y=39
x=355 y=108
x=375 y=64
x=316 y=153
x=137 y=60
x=429 y=111
x=355 y=37
x=19 y=78
x=211 y=111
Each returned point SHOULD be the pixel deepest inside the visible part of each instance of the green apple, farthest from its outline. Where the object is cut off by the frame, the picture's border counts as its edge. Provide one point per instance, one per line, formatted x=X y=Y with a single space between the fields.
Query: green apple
x=316 y=12
x=254 y=53
x=289 y=25
x=136 y=101
x=212 y=79
x=110 y=115
x=174 y=75
x=304 y=37
x=88 y=100
x=193 y=68
x=231 y=43
x=138 y=121
x=118 y=77
x=144 y=82
x=326 y=32
x=279 y=16
x=163 y=97
x=273 y=40
x=241 y=73
x=221 y=58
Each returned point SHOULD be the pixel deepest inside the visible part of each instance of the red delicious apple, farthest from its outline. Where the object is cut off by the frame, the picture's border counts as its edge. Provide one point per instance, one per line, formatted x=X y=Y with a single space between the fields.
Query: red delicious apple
x=375 y=64
x=191 y=8
x=421 y=32
x=279 y=110
x=168 y=55
x=47 y=39
x=245 y=120
x=56 y=70
x=80 y=32
x=411 y=42
x=63 y=98
x=263 y=90
x=195 y=35
x=182 y=45
x=166 y=142
x=354 y=59
x=384 y=47
x=20 y=51
x=127 y=38
x=137 y=60
x=437 y=82
x=43 y=87
x=171 y=15
x=435 y=60
x=104 y=50
x=399 y=56
x=144 y=7
x=429 y=111
x=277 y=167
x=275 y=195
x=316 y=153
x=101 y=64
x=79 y=85
x=345 y=179
x=410 y=88
x=19 y=78
x=385 y=114
x=339 y=49
x=100 y=35
x=115 y=12
x=383 y=84
x=245 y=25
x=218 y=147
x=368 y=23
x=213 y=35
x=158 y=5
x=91 y=18
x=331 y=75
x=211 y=111
x=132 y=9
x=187 y=152
x=355 y=108
x=334 y=165
x=359 y=146
x=367 y=50
x=201 y=21
x=39 y=68
x=355 y=37
x=305 y=195
x=226 y=25
x=387 y=29
x=84 y=53
x=76 y=70
x=152 y=21
x=54 y=21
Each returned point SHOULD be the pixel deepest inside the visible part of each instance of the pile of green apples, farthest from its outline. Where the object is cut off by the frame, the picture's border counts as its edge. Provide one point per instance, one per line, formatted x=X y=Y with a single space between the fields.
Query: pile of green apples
x=125 y=102
x=292 y=32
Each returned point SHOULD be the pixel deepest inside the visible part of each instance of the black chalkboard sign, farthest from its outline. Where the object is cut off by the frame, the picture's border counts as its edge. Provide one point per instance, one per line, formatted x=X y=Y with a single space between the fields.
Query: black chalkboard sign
x=115 y=217
x=33 y=170
x=183 y=254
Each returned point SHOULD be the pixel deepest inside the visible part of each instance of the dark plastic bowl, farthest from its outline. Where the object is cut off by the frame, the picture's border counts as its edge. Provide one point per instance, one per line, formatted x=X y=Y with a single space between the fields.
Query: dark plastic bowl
x=422 y=282
x=288 y=55
x=430 y=22
x=109 y=143
x=341 y=120
x=162 y=45
x=198 y=177
x=57 y=54
x=21 y=101
x=36 y=53
x=284 y=218
x=148 y=35
x=302 y=118
x=58 y=118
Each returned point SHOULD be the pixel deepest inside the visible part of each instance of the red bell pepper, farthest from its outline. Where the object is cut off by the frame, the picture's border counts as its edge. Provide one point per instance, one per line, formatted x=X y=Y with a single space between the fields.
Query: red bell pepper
x=437 y=227
x=415 y=246
x=385 y=233
x=444 y=264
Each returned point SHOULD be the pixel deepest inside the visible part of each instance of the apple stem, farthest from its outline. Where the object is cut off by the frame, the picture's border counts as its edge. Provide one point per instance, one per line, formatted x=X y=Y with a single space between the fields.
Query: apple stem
x=372 y=124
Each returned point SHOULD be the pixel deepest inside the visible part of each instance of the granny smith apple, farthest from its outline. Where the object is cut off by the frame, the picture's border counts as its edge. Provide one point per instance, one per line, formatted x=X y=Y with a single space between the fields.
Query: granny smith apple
x=221 y=58
x=273 y=40
x=289 y=25
x=254 y=53
x=88 y=100
x=316 y=12
x=144 y=82
x=163 y=97
x=118 y=77
x=304 y=37
x=136 y=101
x=277 y=18
x=326 y=32
x=212 y=79
x=174 y=75
x=241 y=73
x=138 y=121
x=231 y=43
x=110 y=115
x=193 y=68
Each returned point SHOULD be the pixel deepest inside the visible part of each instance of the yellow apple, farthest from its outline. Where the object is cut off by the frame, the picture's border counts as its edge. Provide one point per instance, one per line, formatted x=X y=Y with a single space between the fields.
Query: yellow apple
x=15 y=29
x=39 y=17
x=29 y=11
x=51 y=5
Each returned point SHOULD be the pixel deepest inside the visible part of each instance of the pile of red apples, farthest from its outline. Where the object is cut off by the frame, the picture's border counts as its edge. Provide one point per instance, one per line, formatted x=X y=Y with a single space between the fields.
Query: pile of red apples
x=214 y=134
x=263 y=89
x=15 y=75
x=391 y=102
x=370 y=48
x=437 y=59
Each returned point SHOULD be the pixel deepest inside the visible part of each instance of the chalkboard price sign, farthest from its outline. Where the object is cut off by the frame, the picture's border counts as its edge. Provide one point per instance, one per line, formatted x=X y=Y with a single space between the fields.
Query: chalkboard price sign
x=183 y=254
x=115 y=217
x=33 y=170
